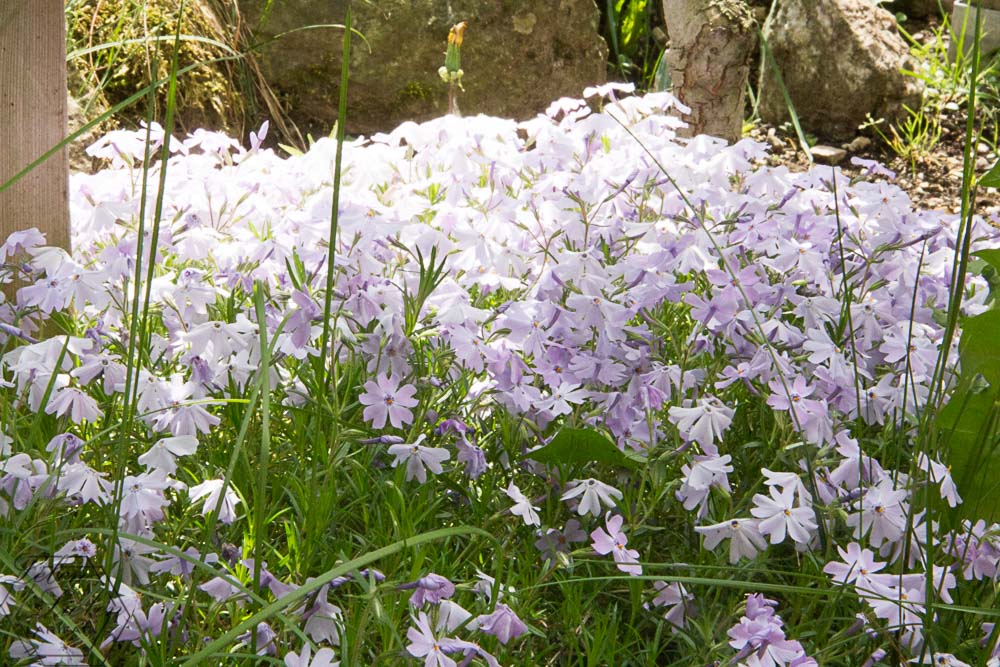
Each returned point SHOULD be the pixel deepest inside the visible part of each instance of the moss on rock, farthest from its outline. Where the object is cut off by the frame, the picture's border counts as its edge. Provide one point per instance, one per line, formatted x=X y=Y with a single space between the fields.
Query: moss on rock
x=137 y=43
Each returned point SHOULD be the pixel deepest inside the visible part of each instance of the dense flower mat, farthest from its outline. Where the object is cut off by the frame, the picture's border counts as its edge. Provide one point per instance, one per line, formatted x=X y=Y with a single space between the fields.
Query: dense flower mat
x=632 y=359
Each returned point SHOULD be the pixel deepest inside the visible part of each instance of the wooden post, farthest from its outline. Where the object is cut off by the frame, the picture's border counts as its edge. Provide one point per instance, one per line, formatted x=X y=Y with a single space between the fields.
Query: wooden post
x=33 y=118
x=711 y=42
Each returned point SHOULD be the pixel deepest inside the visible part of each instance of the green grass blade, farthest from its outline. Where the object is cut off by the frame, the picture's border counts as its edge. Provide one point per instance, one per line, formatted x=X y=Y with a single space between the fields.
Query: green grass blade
x=215 y=648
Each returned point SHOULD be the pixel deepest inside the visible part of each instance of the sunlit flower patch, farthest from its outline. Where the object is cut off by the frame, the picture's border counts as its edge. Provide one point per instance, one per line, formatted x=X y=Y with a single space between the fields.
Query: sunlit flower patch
x=204 y=456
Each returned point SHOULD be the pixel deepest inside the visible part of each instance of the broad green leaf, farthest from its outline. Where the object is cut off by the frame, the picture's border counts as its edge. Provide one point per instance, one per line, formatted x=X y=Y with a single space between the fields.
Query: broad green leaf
x=582 y=445
x=968 y=430
x=978 y=347
x=991 y=179
x=991 y=256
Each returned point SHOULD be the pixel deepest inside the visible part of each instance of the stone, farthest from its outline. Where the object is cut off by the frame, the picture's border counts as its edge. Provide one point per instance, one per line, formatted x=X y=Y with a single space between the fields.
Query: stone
x=858 y=144
x=208 y=96
x=963 y=28
x=517 y=57
x=773 y=140
x=841 y=61
x=827 y=154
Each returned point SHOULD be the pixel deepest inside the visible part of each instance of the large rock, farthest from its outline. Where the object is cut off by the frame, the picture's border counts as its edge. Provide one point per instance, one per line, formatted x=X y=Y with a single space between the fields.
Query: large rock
x=840 y=61
x=518 y=56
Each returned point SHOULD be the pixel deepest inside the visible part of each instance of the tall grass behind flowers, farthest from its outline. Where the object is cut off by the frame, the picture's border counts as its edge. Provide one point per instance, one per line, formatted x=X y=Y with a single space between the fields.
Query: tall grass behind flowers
x=564 y=391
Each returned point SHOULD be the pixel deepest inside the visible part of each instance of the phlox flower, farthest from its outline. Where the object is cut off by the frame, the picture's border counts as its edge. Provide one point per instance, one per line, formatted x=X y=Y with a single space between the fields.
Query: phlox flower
x=485 y=584
x=48 y=649
x=762 y=643
x=83 y=484
x=222 y=589
x=778 y=515
x=162 y=455
x=745 y=540
x=785 y=481
x=676 y=601
x=704 y=422
x=323 y=658
x=594 y=494
x=978 y=547
x=883 y=512
x=786 y=395
x=991 y=642
x=451 y=616
x=66 y=448
x=6 y=597
x=419 y=459
x=130 y=558
x=211 y=491
x=266 y=639
x=553 y=541
x=858 y=567
x=522 y=506
x=69 y=552
x=134 y=624
x=760 y=640
x=76 y=404
x=104 y=365
x=472 y=456
x=563 y=397
x=42 y=574
x=182 y=567
x=503 y=624
x=940 y=474
x=323 y=618
x=699 y=477
x=21 y=241
x=184 y=414
x=431 y=588
x=901 y=608
x=142 y=497
x=385 y=399
x=718 y=312
x=944 y=660
x=614 y=541
x=810 y=416
x=423 y=644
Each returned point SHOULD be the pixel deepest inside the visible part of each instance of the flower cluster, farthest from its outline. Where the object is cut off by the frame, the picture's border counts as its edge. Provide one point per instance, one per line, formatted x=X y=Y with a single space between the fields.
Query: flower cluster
x=740 y=337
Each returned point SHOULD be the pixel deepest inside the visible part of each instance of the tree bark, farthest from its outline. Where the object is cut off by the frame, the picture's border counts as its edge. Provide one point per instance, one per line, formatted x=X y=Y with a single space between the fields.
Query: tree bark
x=33 y=117
x=711 y=43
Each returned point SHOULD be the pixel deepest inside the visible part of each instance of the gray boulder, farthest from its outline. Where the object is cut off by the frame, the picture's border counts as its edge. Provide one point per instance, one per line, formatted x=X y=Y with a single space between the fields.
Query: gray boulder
x=518 y=56
x=840 y=61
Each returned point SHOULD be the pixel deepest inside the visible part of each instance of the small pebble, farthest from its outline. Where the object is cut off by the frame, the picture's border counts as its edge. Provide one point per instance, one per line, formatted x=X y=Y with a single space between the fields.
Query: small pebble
x=859 y=144
x=828 y=154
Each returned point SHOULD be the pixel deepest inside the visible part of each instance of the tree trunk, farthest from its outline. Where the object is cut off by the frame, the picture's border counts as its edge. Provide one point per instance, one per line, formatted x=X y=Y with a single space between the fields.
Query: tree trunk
x=33 y=118
x=711 y=43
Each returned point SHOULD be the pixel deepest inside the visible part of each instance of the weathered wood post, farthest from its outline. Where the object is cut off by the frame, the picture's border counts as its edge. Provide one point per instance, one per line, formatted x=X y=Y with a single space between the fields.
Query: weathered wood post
x=711 y=42
x=33 y=118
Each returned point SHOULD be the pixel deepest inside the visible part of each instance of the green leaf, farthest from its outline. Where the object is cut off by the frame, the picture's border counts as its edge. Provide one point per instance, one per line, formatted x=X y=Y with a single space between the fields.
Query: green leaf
x=583 y=445
x=991 y=179
x=978 y=349
x=968 y=428
x=991 y=256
